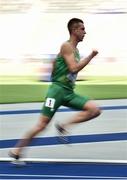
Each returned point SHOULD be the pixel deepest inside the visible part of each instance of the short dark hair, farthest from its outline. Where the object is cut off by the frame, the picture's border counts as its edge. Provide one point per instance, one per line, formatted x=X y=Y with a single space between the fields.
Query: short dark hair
x=73 y=23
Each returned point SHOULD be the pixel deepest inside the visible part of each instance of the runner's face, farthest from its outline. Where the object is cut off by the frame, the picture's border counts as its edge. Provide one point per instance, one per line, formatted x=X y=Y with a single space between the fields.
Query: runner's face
x=80 y=32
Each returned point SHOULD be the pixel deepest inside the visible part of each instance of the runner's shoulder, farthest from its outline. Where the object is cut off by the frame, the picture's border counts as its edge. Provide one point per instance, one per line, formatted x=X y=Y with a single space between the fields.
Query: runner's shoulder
x=66 y=46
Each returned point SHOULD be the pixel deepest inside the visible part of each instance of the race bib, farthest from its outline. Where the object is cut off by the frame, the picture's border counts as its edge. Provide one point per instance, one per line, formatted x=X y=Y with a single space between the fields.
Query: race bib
x=50 y=102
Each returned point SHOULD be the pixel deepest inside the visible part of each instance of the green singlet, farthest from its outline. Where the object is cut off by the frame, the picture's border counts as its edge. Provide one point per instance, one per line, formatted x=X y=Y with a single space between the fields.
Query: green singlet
x=61 y=74
x=61 y=92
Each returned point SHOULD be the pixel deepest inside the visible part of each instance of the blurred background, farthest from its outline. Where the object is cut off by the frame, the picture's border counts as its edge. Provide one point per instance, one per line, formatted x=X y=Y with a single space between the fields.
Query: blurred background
x=31 y=32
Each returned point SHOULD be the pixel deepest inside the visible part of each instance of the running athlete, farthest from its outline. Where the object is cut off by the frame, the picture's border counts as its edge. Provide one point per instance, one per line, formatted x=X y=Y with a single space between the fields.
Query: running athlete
x=66 y=66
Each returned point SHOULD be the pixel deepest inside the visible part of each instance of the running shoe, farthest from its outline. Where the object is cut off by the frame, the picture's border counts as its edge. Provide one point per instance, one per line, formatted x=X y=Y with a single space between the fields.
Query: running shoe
x=62 y=134
x=16 y=159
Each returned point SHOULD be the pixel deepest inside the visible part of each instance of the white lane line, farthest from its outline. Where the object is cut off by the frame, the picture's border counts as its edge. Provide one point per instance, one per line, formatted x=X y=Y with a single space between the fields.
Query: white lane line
x=61 y=176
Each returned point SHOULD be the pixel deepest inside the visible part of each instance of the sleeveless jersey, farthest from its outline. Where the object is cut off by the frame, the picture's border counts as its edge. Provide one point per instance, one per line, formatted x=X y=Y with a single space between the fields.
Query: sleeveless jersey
x=61 y=74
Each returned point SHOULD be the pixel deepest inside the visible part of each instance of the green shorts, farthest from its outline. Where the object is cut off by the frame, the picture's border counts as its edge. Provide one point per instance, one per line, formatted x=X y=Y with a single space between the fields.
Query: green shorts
x=57 y=96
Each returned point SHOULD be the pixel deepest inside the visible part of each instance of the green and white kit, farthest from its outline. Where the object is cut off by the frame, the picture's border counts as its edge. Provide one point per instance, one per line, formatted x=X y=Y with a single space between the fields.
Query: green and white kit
x=61 y=91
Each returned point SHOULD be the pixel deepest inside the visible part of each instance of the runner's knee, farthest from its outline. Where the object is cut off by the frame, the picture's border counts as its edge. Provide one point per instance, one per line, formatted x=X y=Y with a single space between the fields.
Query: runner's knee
x=92 y=109
x=96 y=111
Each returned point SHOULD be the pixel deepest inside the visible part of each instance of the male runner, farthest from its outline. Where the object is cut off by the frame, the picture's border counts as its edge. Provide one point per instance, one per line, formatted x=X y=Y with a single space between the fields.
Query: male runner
x=66 y=66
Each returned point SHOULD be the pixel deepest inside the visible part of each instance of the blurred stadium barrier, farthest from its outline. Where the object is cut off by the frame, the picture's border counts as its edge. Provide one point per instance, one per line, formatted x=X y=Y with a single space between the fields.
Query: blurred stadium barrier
x=41 y=69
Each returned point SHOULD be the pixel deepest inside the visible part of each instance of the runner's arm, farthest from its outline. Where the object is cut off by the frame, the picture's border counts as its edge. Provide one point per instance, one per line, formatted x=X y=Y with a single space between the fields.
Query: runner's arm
x=74 y=66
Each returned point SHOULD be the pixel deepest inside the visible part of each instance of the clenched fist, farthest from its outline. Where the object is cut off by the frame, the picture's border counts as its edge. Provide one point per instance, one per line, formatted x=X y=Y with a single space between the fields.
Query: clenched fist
x=94 y=52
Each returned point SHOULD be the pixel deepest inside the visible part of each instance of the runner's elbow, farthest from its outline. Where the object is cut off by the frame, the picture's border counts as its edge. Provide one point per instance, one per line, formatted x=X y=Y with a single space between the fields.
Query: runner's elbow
x=73 y=69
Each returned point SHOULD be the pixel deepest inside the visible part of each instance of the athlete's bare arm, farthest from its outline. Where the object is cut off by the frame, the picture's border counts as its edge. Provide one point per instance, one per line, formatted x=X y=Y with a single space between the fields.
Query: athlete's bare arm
x=67 y=52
